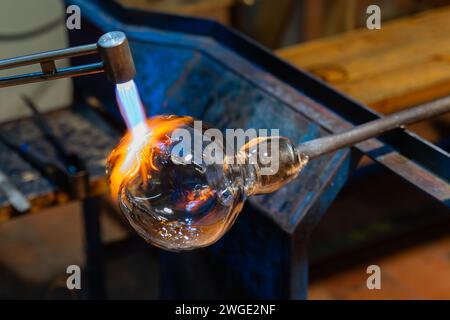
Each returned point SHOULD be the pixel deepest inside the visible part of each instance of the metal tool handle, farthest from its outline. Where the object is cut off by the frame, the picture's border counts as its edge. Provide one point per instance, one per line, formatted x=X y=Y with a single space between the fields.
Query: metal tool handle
x=320 y=146
x=17 y=199
x=48 y=56
x=112 y=47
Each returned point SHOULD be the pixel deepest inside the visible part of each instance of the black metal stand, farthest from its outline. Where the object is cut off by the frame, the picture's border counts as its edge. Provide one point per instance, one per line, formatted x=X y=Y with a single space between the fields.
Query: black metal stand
x=95 y=264
x=255 y=260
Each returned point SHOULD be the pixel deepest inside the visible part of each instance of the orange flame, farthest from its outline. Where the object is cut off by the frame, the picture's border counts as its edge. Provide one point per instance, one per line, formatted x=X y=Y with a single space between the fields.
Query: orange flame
x=197 y=198
x=135 y=152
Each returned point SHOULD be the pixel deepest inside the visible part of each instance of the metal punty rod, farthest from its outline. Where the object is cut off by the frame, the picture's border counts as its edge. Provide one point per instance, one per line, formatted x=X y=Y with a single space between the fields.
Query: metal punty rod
x=320 y=146
x=113 y=48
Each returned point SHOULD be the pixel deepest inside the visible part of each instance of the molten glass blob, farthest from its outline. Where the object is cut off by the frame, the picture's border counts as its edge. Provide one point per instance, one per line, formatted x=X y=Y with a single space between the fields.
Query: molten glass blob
x=178 y=200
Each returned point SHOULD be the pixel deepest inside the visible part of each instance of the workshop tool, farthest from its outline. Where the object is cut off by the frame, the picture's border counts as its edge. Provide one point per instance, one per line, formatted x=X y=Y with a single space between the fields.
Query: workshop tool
x=117 y=62
x=15 y=197
x=67 y=170
x=112 y=47
x=374 y=128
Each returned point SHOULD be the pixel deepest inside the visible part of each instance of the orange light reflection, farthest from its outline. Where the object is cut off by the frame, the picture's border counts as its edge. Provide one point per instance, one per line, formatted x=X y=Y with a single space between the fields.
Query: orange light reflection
x=135 y=152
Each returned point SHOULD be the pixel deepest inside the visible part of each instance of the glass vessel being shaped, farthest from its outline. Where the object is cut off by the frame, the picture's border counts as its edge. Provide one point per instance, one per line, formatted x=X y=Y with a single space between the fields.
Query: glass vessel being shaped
x=180 y=190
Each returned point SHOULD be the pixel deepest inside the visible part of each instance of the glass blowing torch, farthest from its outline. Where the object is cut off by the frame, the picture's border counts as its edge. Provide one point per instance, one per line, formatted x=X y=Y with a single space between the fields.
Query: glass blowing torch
x=113 y=48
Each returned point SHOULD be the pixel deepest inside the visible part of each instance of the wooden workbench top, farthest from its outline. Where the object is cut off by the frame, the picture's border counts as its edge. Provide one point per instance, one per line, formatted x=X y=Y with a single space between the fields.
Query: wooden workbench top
x=405 y=63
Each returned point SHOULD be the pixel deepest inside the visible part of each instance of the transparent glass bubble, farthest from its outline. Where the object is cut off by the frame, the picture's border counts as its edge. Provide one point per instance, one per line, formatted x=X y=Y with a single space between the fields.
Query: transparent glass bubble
x=182 y=198
x=181 y=202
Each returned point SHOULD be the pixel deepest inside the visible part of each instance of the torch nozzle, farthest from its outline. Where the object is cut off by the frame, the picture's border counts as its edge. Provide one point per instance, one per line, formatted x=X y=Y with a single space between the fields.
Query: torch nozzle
x=116 y=55
x=114 y=50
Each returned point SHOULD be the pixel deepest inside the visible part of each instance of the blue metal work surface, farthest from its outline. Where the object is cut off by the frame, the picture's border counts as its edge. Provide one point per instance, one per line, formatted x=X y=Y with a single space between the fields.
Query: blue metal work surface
x=200 y=68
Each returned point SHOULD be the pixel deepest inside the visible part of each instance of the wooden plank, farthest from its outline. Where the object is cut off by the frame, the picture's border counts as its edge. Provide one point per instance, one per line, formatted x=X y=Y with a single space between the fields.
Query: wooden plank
x=216 y=10
x=358 y=42
x=395 y=89
x=405 y=63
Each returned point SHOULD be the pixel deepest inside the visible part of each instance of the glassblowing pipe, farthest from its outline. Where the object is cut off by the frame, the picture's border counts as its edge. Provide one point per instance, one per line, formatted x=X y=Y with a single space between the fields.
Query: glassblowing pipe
x=320 y=146
x=112 y=47
x=292 y=158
